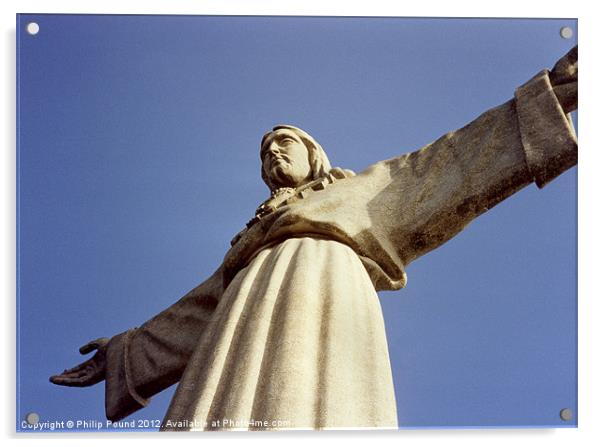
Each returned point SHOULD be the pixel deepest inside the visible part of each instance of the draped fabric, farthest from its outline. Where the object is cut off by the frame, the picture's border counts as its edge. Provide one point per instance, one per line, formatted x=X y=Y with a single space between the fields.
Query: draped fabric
x=297 y=341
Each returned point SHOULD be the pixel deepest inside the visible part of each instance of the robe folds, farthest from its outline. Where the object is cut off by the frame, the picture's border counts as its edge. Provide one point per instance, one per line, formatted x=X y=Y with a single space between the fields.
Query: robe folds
x=288 y=332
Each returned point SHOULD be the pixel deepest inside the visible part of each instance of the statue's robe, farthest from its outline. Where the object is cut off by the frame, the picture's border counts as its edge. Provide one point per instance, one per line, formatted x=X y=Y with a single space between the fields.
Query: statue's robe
x=289 y=330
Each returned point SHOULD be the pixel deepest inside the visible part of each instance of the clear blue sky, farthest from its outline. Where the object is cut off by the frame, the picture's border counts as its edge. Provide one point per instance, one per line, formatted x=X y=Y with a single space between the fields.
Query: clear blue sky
x=138 y=161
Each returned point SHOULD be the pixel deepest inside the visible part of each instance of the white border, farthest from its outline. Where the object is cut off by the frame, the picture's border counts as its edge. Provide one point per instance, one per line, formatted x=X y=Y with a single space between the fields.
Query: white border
x=589 y=217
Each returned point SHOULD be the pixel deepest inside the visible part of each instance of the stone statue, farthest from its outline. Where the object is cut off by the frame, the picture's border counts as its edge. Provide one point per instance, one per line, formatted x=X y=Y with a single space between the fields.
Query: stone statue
x=288 y=332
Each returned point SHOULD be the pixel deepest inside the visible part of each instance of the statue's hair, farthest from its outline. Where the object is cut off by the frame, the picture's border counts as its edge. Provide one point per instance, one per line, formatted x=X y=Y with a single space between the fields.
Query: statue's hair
x=318 y=161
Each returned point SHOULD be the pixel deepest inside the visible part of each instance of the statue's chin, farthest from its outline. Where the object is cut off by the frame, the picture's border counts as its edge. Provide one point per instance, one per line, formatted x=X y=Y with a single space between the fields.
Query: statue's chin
x=281 y=177
x=284 y=175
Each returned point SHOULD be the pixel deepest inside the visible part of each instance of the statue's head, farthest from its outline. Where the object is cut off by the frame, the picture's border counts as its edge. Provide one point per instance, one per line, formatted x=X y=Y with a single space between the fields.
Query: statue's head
x=290 y=157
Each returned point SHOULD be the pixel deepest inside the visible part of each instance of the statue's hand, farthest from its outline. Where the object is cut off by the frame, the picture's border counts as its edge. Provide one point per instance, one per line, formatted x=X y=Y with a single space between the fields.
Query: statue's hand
x=564 y=80
x=89 y=372
x=565 y=70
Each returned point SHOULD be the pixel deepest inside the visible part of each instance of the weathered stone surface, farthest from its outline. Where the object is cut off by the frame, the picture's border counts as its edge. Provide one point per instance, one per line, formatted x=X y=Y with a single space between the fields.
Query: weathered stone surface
x=289 y=328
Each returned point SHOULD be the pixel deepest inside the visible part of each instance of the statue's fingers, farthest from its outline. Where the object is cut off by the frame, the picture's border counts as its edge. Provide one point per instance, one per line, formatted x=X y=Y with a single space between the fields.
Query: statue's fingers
x=63 y=379
x=76 y=374
x=81 y=376
x=79 y=367
x=93 y=345
x=72 y=381
x=573 y=55
x=566 y=69
x=87 y=348
x=58 y=380
x=569 y=59
x=74 y=369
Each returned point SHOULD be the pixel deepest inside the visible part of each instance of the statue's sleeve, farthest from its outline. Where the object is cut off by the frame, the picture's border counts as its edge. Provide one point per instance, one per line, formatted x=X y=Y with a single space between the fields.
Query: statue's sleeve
x=145 y=360
x=422 y=199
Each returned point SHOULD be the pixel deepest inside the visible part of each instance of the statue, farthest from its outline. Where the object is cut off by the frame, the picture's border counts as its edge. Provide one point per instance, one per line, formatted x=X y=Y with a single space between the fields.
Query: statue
x=288 y=332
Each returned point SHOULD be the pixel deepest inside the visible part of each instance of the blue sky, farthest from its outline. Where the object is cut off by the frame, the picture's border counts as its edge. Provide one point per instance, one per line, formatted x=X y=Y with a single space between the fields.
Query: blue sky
x=138 y=161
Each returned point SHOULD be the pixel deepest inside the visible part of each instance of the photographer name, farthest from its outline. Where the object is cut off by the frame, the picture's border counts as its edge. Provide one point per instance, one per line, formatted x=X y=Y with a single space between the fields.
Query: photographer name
x=90 y=424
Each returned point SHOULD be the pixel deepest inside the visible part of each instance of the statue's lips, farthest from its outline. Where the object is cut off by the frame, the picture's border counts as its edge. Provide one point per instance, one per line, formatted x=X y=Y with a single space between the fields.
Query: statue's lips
x=277 y=161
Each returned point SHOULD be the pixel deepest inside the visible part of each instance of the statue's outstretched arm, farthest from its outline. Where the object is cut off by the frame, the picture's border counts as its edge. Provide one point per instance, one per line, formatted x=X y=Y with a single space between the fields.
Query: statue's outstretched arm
x=424 y=198
x=528 y=139
x=139 y=363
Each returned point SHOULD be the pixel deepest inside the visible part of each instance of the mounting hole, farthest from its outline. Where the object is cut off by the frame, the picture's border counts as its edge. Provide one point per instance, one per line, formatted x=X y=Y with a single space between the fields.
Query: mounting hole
x=566 y=414
x=33 y=28
x=32 y=418
x=566 y=32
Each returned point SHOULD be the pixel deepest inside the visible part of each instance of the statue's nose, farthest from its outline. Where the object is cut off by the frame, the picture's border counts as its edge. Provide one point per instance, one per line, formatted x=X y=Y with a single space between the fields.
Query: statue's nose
x=274 y=149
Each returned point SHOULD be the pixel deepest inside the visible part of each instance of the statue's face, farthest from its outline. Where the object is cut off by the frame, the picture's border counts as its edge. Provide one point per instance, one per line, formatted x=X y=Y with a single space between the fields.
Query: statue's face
x=285 y=159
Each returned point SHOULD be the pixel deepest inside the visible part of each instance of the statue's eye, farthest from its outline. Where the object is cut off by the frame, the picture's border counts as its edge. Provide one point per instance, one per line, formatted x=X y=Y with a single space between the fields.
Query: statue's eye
x=288 y=140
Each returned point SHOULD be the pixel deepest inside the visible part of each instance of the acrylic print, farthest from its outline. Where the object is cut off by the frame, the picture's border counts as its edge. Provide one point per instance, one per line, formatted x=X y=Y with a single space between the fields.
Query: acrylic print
x=283 y=223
